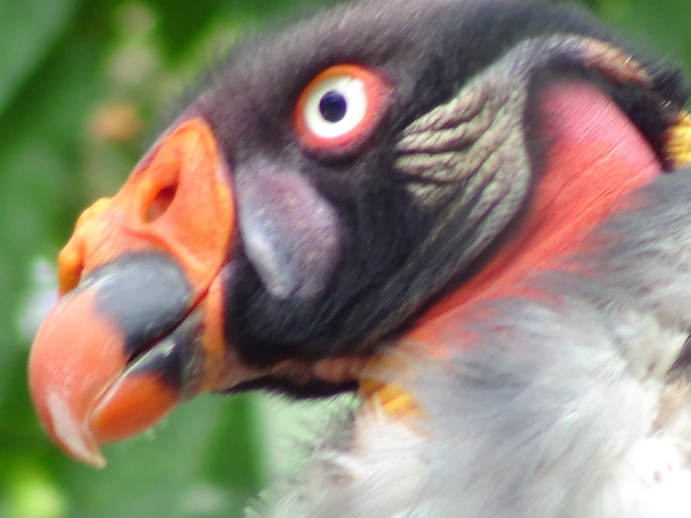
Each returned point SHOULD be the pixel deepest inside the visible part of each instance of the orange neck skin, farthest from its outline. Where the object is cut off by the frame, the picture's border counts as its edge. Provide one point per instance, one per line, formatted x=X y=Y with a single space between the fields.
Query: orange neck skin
x=597 y=155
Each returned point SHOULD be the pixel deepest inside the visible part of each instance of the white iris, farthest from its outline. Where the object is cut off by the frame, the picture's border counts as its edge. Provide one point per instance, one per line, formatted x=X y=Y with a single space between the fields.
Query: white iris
x=353 y=92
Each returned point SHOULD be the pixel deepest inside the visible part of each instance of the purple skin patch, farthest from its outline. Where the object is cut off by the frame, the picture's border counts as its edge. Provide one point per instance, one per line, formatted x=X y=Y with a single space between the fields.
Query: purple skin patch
x=289 y=231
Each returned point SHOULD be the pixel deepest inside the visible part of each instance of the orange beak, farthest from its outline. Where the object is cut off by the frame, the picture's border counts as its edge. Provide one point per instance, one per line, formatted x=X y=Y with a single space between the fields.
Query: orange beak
x=139 y=327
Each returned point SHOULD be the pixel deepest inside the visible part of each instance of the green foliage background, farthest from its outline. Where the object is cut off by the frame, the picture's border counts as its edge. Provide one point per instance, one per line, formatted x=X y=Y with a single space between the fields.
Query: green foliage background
x=80 y=83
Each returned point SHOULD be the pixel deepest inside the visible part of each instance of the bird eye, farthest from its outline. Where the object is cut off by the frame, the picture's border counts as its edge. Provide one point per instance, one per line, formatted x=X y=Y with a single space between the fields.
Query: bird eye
x=340 y=108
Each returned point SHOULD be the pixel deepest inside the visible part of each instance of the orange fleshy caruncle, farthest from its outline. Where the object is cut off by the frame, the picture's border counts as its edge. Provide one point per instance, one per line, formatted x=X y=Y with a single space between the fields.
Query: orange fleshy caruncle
x=176 y=201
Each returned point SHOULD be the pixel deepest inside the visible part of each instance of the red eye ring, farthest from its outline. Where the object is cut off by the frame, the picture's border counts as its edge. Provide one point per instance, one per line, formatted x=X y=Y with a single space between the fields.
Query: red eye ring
x=340 y=108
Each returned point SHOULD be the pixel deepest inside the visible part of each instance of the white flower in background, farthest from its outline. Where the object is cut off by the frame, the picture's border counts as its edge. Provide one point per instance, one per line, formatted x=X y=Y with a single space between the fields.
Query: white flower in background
x=41 y=296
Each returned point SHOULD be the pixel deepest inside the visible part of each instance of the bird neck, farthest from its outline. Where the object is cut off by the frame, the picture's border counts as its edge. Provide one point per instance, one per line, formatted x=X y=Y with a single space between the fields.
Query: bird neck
x=594 y=156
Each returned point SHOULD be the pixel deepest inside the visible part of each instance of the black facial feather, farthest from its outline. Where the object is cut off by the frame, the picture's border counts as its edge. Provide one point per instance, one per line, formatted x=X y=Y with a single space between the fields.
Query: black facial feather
x=429 y=51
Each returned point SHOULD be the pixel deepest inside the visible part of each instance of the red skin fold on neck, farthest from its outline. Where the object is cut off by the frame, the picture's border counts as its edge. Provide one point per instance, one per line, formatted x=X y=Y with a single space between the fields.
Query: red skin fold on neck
x=594 y=157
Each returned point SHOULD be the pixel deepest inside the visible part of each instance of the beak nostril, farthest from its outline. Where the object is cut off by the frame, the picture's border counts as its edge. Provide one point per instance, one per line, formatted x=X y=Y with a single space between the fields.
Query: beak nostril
x=159 y=205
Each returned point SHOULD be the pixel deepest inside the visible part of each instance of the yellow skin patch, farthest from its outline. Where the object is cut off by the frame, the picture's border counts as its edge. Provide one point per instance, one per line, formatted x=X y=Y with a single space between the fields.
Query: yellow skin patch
x=391 y=399
x=679 y=140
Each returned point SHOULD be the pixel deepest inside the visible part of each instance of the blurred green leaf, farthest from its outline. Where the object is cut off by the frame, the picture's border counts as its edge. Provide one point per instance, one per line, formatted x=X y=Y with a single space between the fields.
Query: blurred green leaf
x=662 y=25
x=27 y=31
x=173 y=471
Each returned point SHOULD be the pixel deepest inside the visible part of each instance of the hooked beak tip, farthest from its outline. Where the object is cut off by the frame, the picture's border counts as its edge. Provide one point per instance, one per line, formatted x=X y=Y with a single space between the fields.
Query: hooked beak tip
x=70 y=433
x=89 y=385
x=59 y=356
x=79 y=380
x=137 y=265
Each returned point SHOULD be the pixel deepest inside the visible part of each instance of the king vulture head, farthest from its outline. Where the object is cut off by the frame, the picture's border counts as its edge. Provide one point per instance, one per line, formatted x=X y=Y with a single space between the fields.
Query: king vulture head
x=328 y=189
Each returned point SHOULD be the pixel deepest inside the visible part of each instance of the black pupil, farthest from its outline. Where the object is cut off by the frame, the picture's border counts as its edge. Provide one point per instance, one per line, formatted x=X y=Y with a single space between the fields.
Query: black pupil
x=333 y=106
